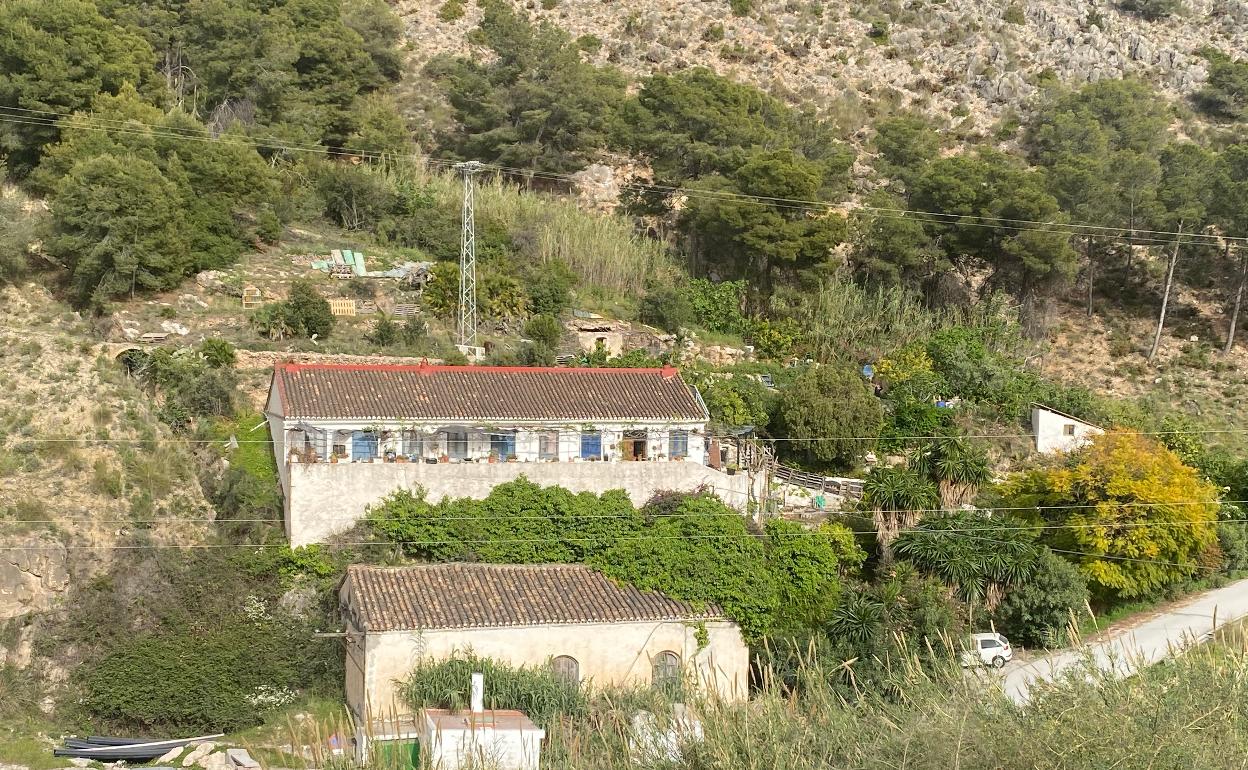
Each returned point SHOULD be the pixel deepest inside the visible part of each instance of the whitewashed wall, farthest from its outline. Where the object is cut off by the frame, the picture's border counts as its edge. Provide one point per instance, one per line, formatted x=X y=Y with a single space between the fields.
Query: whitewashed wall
x=1056 y=432
x=324 y=499
x=608 y=654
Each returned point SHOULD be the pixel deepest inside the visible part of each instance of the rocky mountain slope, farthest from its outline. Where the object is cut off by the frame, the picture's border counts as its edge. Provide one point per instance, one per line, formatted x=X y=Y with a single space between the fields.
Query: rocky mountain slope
x=84 y=465
x=966 y=63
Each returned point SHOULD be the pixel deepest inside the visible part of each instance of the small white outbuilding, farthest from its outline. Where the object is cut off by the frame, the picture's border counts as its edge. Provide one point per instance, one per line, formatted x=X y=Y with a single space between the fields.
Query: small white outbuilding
x=1056 y=431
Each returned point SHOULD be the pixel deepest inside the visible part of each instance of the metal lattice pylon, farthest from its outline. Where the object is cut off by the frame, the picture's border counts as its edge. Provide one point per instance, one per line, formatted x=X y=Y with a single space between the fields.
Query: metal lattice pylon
x=468 y=258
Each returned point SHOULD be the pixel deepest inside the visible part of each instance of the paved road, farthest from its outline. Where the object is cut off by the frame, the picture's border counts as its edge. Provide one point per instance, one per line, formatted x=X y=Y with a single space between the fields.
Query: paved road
x=1142 y=644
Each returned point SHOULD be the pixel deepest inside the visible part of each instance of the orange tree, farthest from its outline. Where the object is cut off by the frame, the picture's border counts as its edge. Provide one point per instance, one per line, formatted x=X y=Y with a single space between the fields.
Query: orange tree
x=1127 y=511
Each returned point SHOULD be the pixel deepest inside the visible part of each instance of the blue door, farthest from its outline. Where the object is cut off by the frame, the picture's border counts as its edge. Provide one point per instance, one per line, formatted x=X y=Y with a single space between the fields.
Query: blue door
x=591 y=445
x=363 y=445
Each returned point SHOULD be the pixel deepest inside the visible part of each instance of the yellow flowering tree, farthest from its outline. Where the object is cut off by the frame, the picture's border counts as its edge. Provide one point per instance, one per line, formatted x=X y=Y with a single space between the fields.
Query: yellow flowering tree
x=1127 y=511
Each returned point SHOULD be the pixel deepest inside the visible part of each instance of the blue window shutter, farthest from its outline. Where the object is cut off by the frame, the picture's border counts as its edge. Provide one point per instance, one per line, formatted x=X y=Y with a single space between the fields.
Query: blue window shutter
x=591 y=445
x=363 y=445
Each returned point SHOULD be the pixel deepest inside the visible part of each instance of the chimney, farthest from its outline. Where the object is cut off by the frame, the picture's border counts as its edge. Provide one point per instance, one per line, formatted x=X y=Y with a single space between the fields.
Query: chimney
x=478 y=693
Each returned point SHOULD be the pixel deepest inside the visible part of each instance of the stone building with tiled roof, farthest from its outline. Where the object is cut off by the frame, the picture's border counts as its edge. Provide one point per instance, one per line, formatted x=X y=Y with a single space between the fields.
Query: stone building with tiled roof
x=567 y=616
x=345 y=436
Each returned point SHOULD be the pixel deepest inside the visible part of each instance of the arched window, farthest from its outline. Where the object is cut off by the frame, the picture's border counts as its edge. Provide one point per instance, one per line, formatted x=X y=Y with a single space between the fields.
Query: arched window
x=566 y=669
x=666 y=670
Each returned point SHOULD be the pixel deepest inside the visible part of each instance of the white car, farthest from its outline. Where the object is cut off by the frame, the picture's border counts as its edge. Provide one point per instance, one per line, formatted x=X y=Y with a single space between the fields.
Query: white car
x=987 y=650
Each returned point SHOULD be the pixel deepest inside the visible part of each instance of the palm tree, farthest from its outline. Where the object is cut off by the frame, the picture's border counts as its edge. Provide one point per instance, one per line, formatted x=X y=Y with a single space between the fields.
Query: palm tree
x=898 y=497
x=958 y=467
x=976 y=554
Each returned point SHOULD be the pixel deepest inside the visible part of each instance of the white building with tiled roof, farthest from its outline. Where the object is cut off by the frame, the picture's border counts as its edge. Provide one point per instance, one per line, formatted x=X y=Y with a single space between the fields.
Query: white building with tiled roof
x=566 y=616
x=345 y=436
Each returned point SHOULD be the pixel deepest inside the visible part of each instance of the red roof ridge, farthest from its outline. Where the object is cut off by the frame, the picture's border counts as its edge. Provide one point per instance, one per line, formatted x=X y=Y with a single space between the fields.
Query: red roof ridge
x=424 y=366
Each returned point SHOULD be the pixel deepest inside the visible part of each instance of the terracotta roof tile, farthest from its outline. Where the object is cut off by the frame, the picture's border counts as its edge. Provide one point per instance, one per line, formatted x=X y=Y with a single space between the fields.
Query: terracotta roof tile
x=483 y=393
x=444 y=596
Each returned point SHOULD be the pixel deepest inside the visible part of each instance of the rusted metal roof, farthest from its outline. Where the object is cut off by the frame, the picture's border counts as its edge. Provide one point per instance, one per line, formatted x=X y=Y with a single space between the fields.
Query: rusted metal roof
x=445 y=596
x=484 y=393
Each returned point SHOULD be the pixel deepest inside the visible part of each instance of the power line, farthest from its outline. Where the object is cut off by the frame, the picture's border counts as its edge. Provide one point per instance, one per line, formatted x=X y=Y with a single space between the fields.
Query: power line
x=1134 y=235
x=548 y=541
x=1108 y=557
x=730 y=514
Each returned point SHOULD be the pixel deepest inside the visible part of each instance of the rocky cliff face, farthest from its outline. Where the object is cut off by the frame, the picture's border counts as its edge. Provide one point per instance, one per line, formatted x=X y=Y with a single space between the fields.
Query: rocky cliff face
x=965 y=62
x=33 y=573
x=84 y=464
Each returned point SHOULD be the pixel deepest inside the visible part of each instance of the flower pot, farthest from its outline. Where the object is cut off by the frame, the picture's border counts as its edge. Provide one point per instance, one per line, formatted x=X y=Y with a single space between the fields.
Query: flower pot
x=444 y=459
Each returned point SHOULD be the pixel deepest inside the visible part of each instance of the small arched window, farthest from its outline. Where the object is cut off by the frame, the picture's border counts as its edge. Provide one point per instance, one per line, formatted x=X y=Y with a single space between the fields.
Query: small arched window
x=566 y=669
x=666 y=670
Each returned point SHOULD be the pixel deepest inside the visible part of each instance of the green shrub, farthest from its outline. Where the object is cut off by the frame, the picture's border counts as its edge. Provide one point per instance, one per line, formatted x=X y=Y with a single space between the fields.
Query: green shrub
x=1151 y=10
x=550 y=288
x=451 y=10
x=775 y=340
x=544 y=330
x=741 y=7
x=106 y=479
x=714 y=33
x=208 y=644
x=385 y=332
x=1225 y=94
x=830 y=415
x=310 y=310
x=696 y=548
x=1038 y=611
x=718 y=307
x=589 y=43
x=415 y=332
x=218 y=353
x=268 y=225
x=1014 y=15
x=666 y=307
x=1233 y=540
x=537 y=692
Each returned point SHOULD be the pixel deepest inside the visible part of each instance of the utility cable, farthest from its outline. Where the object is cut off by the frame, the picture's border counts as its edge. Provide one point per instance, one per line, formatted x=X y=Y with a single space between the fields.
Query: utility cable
x=1136 y=235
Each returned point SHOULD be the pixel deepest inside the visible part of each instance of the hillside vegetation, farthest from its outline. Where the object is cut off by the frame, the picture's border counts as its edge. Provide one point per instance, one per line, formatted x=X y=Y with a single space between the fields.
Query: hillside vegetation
x=988 y=224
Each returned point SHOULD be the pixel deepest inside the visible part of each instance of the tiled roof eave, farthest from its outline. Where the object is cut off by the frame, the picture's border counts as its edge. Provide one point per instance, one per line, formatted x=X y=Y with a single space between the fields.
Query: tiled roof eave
x=485 y=394
x=460 y=596
x=688 y=618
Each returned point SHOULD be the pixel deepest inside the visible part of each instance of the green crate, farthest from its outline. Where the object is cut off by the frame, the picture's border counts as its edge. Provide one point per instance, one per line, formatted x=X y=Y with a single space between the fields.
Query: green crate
x=401 y=754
